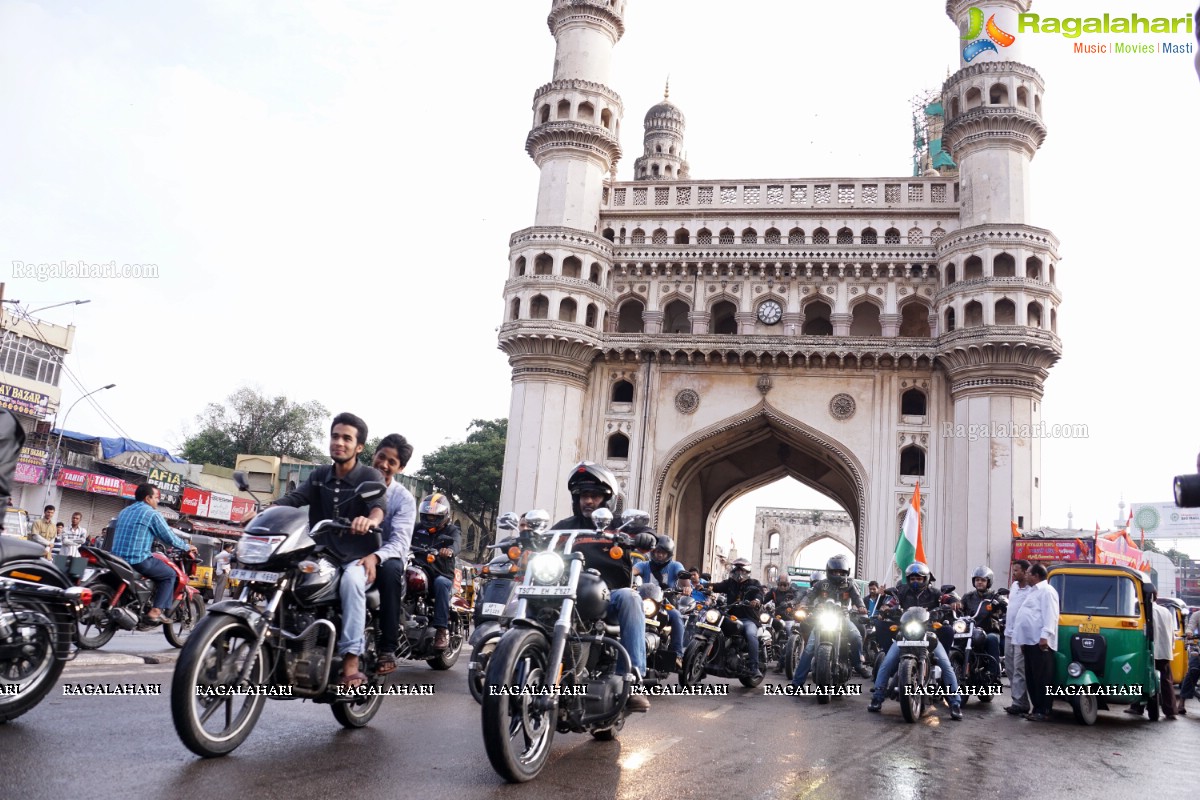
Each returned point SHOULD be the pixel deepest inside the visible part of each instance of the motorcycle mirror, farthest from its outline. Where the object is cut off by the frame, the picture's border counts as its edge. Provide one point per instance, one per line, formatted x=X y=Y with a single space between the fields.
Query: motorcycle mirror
x=635 y=518
x=508 y=522
x=602 y=519
x=1002 y=592
x=537 y=520
x=239 y=480
x=948 y=588
x=369 y=490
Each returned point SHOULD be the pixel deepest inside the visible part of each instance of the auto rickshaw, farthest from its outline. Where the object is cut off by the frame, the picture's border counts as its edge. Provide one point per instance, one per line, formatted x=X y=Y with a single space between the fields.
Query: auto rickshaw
x=1179 y=654
x=1105 y=639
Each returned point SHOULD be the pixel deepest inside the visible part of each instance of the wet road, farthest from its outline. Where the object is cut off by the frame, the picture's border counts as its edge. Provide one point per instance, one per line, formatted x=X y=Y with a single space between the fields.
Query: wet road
x=746 y=745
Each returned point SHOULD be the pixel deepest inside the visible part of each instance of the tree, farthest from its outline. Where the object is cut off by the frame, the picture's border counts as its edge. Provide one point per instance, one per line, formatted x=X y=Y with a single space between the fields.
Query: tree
x=250 y=422
x=470 y=471
x=368 y=453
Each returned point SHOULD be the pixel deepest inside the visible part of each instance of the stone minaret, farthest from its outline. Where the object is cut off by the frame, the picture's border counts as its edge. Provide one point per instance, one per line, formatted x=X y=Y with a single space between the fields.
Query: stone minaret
x=663 y=157
x=559 y=290
x=998 y=301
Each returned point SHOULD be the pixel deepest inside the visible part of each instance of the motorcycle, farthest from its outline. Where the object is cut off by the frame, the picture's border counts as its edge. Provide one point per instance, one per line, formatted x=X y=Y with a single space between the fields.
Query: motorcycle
x=416 y=643
x=660 y=661
x=720 y=648
x=917 y=636
x=968 y=654
x=496 y=603
x=797 y=632
x=283 y=646
x=39 y=608
x=559 y=666
x=831 y=661
x=122 y=597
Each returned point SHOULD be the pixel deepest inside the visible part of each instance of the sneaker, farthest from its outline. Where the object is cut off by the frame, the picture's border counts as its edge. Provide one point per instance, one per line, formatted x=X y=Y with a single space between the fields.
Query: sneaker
x=442 y=639
x=956 y=713
x=875 y=706
x=1017 y=710
x=755 y=674
x=638 y=702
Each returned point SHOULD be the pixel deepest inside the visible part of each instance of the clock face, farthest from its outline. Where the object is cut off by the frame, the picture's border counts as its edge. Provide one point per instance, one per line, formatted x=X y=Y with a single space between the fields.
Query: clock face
x=770 y=312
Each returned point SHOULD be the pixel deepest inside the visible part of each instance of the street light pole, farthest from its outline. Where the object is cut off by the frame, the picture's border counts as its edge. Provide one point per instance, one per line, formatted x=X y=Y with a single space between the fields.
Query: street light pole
x=58 y=445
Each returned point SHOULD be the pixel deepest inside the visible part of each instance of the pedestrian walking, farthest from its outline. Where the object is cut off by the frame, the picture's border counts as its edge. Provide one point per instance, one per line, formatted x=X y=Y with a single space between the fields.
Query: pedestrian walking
x=1014 y=660
x=1037 y=634
x=221 y=569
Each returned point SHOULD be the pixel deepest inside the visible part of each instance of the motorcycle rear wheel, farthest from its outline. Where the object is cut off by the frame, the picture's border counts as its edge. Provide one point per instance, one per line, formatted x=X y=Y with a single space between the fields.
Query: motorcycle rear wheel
x=477 y=675
x=212 y=659
x=445 y=659
x=184 y=619
x=357 y=713
x=34 y=670
x=609 y=734
x=95 y=628
x=516 y=736
x=908 y=677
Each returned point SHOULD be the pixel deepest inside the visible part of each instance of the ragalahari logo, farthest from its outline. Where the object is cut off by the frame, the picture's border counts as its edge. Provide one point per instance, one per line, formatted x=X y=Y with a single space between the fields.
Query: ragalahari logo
x=975 y=27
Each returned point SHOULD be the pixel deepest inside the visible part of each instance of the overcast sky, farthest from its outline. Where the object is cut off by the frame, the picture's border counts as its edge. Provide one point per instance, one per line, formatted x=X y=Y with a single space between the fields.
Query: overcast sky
x=327 y=190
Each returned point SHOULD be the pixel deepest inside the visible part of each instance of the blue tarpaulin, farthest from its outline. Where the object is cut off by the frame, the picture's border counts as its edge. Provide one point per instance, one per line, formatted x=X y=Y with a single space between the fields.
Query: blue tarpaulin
x=112 y=448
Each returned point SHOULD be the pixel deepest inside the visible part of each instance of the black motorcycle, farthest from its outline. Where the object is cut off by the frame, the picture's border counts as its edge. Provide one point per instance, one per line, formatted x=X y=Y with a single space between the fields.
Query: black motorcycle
x=284 y=645
x=495 y=602
x=720 y=648
x=559 y=666
x=973 y=665
x=39 y=608
x=418 y=632
x=660 y=661
x=916 y=635
x=831 y=662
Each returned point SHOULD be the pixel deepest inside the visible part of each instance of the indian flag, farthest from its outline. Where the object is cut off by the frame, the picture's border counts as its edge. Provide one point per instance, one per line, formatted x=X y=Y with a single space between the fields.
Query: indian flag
x=911 y=547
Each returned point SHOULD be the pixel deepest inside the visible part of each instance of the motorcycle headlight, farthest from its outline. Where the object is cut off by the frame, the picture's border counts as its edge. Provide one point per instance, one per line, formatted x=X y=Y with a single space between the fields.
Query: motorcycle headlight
x=546 y=568
x=914 y=630
x=764 y=618
x=649 y=607
x=800 y=615
x=828 y=621
x=711 y=616
x=960 y=626
x=257 y=549
x=1074 y=669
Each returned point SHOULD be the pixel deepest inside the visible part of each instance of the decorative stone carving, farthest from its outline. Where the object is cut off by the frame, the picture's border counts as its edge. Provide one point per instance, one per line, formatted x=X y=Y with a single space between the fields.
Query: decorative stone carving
x=842 y=406
x=764 y=384
x=687 y=401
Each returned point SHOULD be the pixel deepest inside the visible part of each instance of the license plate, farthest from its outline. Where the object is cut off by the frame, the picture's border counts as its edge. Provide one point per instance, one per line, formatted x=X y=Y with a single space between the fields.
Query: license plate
x=544 y=591
x=492 y=609
x=254 y=576
x=913 y=644
x=1089 y=627
x=706 y=626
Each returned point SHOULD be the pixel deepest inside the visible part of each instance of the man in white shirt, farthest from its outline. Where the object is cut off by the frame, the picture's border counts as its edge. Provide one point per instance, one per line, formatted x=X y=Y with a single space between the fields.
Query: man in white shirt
x=221 y=569
x=1014 y=661
x=1164 y=651
x=74 y=535
x=1037 y=634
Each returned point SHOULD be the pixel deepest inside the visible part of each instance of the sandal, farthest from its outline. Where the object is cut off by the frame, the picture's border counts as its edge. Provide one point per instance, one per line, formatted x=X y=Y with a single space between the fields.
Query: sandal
x=386 y=664
x=353 y=681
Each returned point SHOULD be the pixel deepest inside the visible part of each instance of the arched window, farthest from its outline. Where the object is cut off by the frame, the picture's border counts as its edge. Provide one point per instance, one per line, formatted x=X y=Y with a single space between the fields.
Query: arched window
x=1004 y=266
x=973 y=314
x=950 y=269
x=974 y=98
x=606 y=118
x=773 y=539
x=915 y=235
x=1033 y=268
x=914 y=320
x=675 y=317
x=629 y=317
x=954 y=108
x=638 y=236
x=771 y=236
x=912 y=403
x=1022 y=97
x=845 y=236
x=622 y=392
x=1037 y=104
x=544 y=114
x=659 y=236
x=1006 y=312
x=1034 y=315
x=796 y=236
x=567 y=310
x=973 y=268
x=587 y=113
x=1054 y=320
x=816 y=319
x=912 y=461
x=592 y=313
x=704 y=236
x=618 y=446
x=514 y=311
x=749 y=236
x=543 y=264
x=723 y=318
x=520 y=266
x=539 y=307
x=869 y=236
x=864 y=320
x=949 y=319
x=820 y=236
x=891 y=236
x=608 y=234
x=572 y=267
x=998 y=94
x=682 y=237
x=1051 y=273
x=726 y=236
x=564 y=109
x=594 y=273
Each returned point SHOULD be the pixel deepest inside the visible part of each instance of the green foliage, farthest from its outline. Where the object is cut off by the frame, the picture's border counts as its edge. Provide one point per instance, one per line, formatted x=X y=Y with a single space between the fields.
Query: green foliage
x=368 y=453
x=470 y=471
x=250 y=422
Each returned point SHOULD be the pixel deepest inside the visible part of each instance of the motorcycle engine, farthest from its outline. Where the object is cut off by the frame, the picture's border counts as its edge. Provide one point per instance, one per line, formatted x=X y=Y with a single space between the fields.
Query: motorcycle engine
x=305 y=657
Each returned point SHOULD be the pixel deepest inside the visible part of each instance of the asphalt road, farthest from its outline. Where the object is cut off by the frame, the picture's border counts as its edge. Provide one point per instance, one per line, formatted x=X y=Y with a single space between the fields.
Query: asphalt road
x=746 y=746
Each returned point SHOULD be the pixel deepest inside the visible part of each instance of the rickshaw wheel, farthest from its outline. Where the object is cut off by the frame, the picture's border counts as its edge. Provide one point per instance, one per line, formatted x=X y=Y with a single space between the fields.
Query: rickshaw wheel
x=1152 y=708
x=1085 y=709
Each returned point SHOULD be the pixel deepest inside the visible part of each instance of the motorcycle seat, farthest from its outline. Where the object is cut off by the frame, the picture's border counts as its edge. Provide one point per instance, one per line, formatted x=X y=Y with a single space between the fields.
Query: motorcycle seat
x=12 y=549
x=373 y=599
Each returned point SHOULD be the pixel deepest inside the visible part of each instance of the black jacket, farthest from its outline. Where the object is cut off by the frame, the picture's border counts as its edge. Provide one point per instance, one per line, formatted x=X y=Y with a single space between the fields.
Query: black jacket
x=905 y=597
x=846 y=594
x=740 y=594
x=448 y=536
x=971 y=602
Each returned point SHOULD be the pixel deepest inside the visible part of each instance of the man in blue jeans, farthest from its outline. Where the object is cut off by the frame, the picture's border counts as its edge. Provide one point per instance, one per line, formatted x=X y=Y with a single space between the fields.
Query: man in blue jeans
x=838 y=587
x=916 y=591
x=137 y=528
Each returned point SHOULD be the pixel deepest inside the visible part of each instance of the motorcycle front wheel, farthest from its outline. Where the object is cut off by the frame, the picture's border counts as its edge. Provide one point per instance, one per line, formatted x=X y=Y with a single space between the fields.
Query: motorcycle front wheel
x=822 y=670
x=960 y=672
x=95 y=628
x=28 y=663
x=516 y=734
x=184 y=619
x=210 y=717
x=694 y=659
x=445 y=659
x=912 y=687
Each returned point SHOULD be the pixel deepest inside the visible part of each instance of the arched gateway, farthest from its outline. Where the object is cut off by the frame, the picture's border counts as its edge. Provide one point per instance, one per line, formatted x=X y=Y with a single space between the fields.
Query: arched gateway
x=702 y=338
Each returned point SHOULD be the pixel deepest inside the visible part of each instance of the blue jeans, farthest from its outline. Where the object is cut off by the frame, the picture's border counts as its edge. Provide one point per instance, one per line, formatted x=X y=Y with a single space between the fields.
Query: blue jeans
x=892 y=660
x=442 y=587
x=810 y=649
x=750 y=628
x=164 y=580
x=1187 y=689
x=993 y=651
x=625 y=611
x=676 y=632
x=353 y=590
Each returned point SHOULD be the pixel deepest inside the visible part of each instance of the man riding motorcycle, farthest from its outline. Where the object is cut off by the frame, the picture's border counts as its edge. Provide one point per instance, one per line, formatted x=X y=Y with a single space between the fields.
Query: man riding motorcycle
x=593 y=486
x=916 y=591
x=436 y=531
x=981 y=579
x=782 y=595
x=837 y=586
x=740 y=590
x=664 y=570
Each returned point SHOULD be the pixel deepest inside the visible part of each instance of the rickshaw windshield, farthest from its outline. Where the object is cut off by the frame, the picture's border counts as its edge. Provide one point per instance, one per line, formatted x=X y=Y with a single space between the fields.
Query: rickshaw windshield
x=1095 y=595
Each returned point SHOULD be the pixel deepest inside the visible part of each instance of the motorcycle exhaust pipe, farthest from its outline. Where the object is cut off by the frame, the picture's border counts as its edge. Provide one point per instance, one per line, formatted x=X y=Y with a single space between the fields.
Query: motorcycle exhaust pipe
x=123 y=618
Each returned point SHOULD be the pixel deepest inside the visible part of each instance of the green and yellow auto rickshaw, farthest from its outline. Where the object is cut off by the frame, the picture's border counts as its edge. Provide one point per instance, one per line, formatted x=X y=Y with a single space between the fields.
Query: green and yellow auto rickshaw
x=1105 y=639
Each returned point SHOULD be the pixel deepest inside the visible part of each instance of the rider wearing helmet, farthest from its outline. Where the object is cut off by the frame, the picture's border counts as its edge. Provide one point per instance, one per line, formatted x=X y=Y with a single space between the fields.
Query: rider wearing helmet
x=916 y=591
x=593 y=486
x=436 y=531
x=745 y=598
x=838 y=587
x=981 y=579
x=783 y=594
x=663 y=569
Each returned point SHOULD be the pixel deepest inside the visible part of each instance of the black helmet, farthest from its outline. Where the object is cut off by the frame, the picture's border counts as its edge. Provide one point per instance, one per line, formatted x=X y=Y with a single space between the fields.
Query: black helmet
x=740 y=568
x=982 y=572
x=837 y=570
x=917 y=570
x=590 y=477
x=663 y=543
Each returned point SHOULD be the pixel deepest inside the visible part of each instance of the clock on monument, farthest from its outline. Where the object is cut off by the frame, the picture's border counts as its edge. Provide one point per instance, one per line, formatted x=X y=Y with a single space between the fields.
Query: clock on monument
x=770 y=312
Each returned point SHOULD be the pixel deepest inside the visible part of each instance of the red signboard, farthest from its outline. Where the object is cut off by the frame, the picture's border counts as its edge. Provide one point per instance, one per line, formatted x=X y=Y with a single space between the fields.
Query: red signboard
x=72 y=479
x=1056 y=551
x=28 y=473
x=213 y=505
x=241 y=507
x=104 y=484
